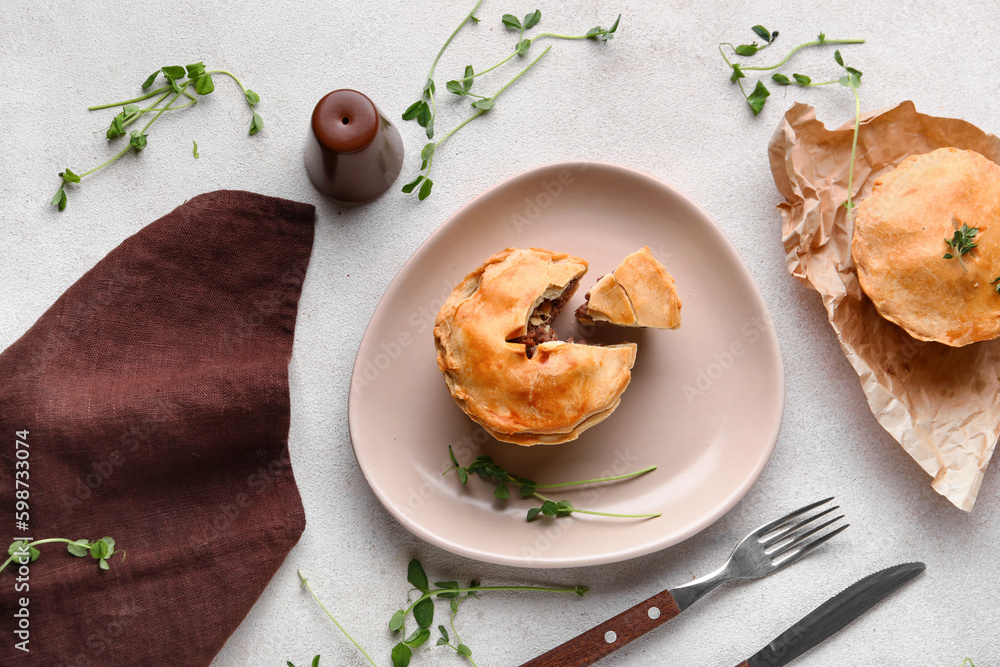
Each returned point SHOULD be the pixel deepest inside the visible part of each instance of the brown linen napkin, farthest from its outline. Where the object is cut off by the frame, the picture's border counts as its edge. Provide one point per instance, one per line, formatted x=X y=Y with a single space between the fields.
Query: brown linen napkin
x=155 y=394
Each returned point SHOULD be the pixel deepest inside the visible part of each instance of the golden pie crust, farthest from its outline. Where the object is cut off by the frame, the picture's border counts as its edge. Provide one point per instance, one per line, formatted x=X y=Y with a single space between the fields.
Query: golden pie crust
x=554 y=395
x=639 y=293
x=899 y=246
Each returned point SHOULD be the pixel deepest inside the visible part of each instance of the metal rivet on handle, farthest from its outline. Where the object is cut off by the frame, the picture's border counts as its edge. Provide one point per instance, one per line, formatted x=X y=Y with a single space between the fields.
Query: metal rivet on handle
x=654 y=612
x=610 y=636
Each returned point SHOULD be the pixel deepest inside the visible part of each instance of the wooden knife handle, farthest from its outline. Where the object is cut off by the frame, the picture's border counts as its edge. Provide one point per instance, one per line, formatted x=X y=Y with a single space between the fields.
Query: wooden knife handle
x=743 y=664
x=611 y=635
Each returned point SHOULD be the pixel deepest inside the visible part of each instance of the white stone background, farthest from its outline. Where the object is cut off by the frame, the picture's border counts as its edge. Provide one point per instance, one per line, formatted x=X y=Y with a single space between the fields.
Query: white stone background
x=656 y=99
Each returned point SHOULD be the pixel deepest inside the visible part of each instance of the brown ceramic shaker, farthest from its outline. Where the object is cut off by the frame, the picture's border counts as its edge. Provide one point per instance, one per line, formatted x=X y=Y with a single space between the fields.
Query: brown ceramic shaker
x=353 y=152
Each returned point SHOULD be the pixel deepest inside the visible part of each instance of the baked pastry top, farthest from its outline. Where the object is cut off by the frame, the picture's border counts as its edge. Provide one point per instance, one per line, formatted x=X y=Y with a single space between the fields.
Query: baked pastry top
x=901 y=235
x=504 y=365
x=639 y=293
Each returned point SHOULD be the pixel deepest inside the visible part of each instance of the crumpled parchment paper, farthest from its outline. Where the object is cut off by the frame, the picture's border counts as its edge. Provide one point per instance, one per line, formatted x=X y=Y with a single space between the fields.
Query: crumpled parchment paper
x=942 y=404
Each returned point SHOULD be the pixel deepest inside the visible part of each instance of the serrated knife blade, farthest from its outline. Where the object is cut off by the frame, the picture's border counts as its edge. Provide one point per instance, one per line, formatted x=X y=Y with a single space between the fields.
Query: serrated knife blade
x=833 y=615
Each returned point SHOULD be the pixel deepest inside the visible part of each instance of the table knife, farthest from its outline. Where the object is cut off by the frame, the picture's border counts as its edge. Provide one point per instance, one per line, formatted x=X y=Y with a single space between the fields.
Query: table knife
x=833 y=615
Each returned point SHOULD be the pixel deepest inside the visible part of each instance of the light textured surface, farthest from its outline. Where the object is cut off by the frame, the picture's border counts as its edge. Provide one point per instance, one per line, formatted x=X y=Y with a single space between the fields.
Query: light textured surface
x=656 y=99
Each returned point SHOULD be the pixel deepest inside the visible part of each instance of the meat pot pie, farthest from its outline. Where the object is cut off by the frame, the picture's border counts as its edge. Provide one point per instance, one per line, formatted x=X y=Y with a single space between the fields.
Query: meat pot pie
x=506 y=368
x=639 y=293
x=900 y=239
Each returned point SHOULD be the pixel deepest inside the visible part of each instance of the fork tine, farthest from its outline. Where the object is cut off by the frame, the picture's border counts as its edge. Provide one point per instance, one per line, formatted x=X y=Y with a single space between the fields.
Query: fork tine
x=768 y=527
x=783 y=533
x=791 y=557
x=796 y=540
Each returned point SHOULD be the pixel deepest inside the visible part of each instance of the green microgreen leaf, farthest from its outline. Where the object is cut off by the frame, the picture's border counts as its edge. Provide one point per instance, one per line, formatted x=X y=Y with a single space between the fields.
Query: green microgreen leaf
x=117 y=127
x=401 y=655
x=464 y=650
x=256 y=123
x=532 y=19
x=610 y=32
x=423 y=613
x=80 y=548
x=838 y=58
x=444 y=635
x=822 y=37
x=204 y=85
x=511 y=22
x=150 y=79
x=426 y=154
x=137 y=140
x=424 y=115
x=396 y=622
x=467 y=78
x=757 y=98
x=252 y=97
x=447 y=584
x=59 y=200
x=781 y=79
x=412 y=110
x=502 y=492
x=103 y=563
x=746 y=49
x=737 y=73
x=456 y=87
x=408 y=188
x=418 y=637
x=196 y=156
x=763 y=33
x=196 y=70
x=533 y=513
x=69 y=177
x=523 y=46
x=416 y=576
x=315 y=662
x=425 y=189
x=802 y=79
x=484 y=104
x=173 y=71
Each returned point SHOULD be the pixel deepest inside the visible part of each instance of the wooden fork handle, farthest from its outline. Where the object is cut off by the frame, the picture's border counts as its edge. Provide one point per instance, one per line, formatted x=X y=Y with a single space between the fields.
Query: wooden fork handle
x=611 y=635
x=743 y=664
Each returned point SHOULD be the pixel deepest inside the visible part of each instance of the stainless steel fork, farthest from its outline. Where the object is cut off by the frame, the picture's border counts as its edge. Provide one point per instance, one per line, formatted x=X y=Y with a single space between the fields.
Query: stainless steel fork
x=770 y=548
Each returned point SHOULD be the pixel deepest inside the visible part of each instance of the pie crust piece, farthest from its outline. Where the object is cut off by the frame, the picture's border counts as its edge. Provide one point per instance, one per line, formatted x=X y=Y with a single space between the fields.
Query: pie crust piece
x=640 y=293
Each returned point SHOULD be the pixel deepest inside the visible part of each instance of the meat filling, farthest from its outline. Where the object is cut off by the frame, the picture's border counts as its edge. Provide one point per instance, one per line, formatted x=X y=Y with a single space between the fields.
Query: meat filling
x=581 y=312
x=539 y=324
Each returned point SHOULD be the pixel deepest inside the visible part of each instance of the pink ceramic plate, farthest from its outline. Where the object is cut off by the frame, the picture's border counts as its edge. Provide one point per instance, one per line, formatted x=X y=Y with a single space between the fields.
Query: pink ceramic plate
x=704 y=404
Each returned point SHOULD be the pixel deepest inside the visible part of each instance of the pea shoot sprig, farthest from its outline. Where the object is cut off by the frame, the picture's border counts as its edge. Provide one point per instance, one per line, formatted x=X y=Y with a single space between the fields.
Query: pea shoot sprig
x=422 y=611
x=756 y=98
x=177 y=86
x=425 y=110
x=962 y=243
x=485 y=467
x=101 y=550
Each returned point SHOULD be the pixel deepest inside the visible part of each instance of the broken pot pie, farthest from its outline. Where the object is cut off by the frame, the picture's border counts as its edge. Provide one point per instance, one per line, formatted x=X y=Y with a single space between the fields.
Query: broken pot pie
x=505 y=366
x=946 y=202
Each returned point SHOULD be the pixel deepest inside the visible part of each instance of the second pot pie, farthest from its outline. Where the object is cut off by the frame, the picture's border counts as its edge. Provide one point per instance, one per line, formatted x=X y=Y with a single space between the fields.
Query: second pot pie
x=504 y=365
x=900 y=239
